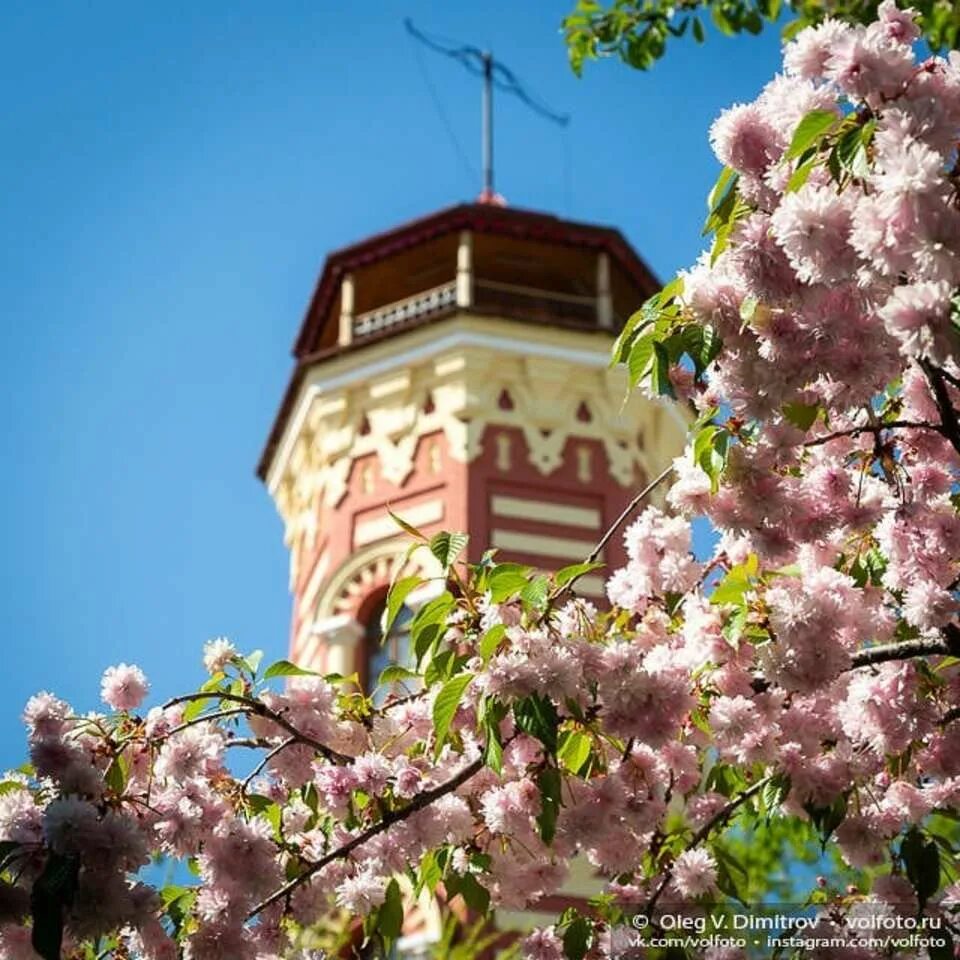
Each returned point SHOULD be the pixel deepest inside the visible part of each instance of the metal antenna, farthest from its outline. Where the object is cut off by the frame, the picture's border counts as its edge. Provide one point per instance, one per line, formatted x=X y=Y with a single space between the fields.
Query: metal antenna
x=481 y=63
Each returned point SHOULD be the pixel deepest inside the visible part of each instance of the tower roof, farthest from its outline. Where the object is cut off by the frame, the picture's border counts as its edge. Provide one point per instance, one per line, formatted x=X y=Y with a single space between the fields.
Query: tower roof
x=424 y=248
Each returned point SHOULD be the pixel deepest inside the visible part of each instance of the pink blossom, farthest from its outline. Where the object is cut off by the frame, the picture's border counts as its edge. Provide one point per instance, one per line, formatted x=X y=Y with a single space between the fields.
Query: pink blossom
x=123 y=687
x=543 y=945
x=362 y=892
x=217 y=653
x=743 y=139
x=694 y=873
x=812 y=226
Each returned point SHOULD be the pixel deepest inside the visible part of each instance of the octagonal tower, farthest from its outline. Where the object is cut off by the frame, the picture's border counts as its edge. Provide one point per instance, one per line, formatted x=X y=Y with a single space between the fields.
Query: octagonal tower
x=456 y=370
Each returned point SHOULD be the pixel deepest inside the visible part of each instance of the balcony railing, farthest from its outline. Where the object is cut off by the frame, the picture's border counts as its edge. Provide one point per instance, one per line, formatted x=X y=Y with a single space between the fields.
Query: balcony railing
x=411 y=308
x=547 y=305
x=488 y=296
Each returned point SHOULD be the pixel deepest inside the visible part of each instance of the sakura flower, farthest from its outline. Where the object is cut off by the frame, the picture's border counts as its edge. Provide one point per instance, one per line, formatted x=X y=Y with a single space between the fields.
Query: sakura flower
x=123 y=687
x=694 y=873
x=217 y=653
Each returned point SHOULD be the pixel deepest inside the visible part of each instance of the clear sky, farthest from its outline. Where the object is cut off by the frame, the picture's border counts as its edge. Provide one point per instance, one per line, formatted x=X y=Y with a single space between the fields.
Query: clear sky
x=172 y=177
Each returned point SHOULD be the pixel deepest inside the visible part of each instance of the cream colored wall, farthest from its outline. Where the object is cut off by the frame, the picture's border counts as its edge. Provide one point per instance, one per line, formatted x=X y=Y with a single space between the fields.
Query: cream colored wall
x=463 y=364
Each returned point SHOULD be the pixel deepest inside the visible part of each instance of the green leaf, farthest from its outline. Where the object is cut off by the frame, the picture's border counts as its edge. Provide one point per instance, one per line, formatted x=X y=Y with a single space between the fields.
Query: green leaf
x=827 y=819
x=660 y=382
x=445 y=706
x=214 y=683
x=491 y=640
x=284 y=668
x=722 y=203
x=442 y=665
x=801 y=415
x=725 y=779
x=577 y=936
x=775 y=791
x=253 y=661
x=492 y=745
x=430 y=872
x=196 y=707
x=921 y=857
x=728 y=870
x=710 y=446
x=702 y=344
x=394 y=673
x=851 y=149
x=429 y=624
x=574 y=750
x=390 y=916
x=698 y=32
x=446 y=547
x=476 y=896
x=507 y=579
x=534 y=595
x=537 y=716
x=721 y=21
x=52 y=894
x=177 y=903
x=640 y=358
x=563 y=576
x=736 y=583
x=270 y=811
x=726 y=182
x=116 y=775
x=549 y=783
x=339 y=679
x=812 y=128
x=409 y=528
x=802 y=172
x=9 y=850
x=398 y=593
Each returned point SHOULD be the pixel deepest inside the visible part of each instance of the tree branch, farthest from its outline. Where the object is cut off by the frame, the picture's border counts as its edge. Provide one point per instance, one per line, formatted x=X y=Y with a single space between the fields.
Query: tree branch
x=262 y=710
x=612 y=529
x=908 y=650
x=875 y=429
x=267 y=757
x=950 y=716
x=205 y=718
x=948 y=645
x=388 y=820
x=948 y=414
x=718 y=819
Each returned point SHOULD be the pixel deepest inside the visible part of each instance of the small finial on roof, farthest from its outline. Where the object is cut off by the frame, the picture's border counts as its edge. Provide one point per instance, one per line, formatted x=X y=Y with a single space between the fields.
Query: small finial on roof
x=491 y=197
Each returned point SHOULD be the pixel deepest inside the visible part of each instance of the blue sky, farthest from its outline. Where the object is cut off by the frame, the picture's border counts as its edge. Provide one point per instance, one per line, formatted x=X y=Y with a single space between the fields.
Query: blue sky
x=172 y=177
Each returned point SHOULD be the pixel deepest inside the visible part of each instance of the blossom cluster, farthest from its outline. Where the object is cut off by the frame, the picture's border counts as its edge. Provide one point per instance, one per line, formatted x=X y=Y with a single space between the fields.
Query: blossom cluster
x=806 y=671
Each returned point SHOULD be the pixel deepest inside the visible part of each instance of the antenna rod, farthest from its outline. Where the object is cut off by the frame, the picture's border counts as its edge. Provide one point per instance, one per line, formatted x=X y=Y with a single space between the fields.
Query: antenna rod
x=487 y=124
x=481 y=63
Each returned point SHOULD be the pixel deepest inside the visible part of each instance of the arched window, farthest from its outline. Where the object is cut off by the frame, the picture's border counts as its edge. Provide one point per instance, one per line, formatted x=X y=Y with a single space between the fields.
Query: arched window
x=381 y=652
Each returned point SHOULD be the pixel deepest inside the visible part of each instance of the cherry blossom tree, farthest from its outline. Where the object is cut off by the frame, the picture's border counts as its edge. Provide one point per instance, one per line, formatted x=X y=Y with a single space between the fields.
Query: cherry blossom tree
x=801 y=682
x=638 y=32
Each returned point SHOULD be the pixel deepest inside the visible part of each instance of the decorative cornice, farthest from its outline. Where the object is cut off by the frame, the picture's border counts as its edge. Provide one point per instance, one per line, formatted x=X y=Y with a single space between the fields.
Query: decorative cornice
x=452 y=385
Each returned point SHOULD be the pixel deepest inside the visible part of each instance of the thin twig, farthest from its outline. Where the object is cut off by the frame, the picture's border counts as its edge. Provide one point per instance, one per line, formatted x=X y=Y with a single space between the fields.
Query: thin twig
x=267 y=757
x=388 y=820
x=255 y=743
x=949 y=645
x=875 y=429
x=612 y=529
x=951 y=425
x=907 y=650
x=716 y=820
x=206 y=718
x=262 y=710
